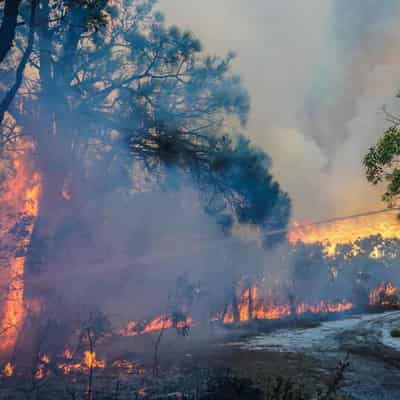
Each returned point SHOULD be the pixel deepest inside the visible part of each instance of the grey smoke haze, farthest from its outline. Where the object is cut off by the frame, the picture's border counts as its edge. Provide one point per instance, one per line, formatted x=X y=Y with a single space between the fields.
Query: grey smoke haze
x=319 y=73
x=128 y=267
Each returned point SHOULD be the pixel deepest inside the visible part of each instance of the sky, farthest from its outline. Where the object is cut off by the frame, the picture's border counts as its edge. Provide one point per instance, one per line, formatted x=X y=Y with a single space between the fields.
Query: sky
x=319 y=73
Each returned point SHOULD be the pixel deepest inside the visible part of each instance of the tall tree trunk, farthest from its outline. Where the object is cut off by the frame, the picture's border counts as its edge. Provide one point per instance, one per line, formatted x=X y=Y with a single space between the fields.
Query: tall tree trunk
x=50 y=158
x=8 y=26
x=9 y=97
x=251 y=305
x=235 y=306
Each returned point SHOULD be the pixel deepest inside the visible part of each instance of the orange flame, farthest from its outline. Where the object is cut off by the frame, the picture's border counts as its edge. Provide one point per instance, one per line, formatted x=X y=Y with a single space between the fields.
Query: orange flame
x=385 y=295
x=157 y=324
x=270 y=309
x=346 y=231
x=21 y=195
x=8 y=370
x=129 y=367
x=89 y=361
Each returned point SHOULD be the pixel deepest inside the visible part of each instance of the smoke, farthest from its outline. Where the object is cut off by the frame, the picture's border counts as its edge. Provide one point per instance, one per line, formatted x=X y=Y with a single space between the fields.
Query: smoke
x=125 y=254
x=95 y=245
x=318 y=74
x=363 y=37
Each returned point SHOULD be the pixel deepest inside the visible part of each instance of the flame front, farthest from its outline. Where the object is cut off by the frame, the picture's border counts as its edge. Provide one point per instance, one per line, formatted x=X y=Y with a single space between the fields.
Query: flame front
x=157 y=324
x=346 y=231
x=270 y=309
x=88 y=362
x=20 y=199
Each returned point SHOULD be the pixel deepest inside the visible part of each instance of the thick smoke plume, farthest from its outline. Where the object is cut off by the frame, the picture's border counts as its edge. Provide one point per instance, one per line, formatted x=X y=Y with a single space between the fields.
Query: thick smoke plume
x=318 y=73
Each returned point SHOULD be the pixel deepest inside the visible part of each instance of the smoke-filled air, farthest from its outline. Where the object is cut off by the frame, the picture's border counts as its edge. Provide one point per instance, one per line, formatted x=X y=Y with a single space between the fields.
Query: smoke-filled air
x=199 y=200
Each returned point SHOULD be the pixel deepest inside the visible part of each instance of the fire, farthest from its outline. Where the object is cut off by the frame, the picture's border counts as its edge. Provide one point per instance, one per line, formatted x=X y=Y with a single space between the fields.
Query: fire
x=66 y=192
x=8 y=370
x=385 y=295
x=89 y=359
x=42 y=371
x=89 y=362
x=67 y=354
x=157 y=324
x=346 y=231
x=270 y=309
x=324 y=307
x=260 y=310
x=20 y=199
x=129 y=367
x=267 y=308
x=69 y=368
x=45 y=359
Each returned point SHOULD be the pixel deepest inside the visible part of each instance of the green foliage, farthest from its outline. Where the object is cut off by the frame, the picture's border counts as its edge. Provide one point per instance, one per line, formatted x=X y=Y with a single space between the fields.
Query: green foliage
x=395 y=333
x=381 y=164
x=143 y=92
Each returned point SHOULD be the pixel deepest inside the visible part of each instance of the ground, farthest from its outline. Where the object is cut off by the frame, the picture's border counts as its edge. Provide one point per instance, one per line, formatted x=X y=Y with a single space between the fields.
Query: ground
x=307 y=355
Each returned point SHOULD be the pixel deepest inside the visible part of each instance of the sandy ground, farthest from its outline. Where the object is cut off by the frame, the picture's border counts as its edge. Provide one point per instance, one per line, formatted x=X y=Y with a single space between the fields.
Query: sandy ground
x=374 y=356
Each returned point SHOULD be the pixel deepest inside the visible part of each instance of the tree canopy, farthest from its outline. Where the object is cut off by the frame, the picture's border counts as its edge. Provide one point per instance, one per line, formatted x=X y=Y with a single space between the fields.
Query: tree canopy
x=382 y=164
x=115 y=101
x=108 y=85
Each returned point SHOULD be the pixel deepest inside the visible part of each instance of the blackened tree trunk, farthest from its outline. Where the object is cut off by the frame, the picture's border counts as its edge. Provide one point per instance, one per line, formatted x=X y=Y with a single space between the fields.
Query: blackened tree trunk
x=235 y=306
x=8 y=26
x=9 y=97
x=251 y=303
x=53 y=159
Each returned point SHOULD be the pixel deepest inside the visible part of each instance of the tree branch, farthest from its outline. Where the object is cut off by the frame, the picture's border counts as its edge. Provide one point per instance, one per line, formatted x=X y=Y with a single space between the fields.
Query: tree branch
x=8 y=27
x=4 y=105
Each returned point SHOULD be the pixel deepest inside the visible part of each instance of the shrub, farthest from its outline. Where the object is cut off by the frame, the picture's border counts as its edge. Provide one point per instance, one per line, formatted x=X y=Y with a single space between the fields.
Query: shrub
x=395 y=333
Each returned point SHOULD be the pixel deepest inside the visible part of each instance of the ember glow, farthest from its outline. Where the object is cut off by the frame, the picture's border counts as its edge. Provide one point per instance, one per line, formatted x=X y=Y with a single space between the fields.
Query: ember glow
x=20 y=200
x=42 y=370
x=347 y=231
x=88 y=362
x=8 y=370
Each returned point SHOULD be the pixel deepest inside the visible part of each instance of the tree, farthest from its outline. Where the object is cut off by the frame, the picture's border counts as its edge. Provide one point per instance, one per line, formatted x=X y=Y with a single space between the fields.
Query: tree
x=382 y=164
x=310 y=269
x=8 y=26
x=8 y=31
x=145 y=92
x=9 y=96
x=113 y=90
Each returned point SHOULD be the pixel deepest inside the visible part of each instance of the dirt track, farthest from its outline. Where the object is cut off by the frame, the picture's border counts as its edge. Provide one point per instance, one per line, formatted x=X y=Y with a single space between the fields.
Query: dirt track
x=374 y=371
